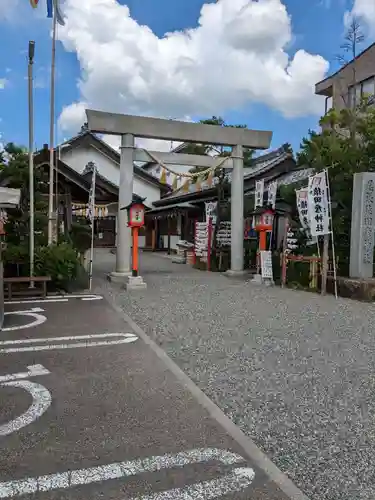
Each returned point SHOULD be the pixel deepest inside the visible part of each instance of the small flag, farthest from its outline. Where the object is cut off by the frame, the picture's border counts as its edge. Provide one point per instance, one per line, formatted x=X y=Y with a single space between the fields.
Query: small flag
x=34 y=3
x=51 y=4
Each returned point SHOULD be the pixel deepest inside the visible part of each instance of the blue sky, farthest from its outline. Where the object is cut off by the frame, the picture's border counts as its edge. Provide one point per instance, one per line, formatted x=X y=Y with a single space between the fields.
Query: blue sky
x=317 y=28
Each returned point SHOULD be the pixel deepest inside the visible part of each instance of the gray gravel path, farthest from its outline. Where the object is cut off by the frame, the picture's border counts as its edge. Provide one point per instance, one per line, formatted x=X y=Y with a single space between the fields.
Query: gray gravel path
x=294 y=370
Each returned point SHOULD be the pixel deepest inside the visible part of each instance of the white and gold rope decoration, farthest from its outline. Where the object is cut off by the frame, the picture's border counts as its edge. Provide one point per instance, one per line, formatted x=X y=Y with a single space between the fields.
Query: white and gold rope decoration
x=187 y=175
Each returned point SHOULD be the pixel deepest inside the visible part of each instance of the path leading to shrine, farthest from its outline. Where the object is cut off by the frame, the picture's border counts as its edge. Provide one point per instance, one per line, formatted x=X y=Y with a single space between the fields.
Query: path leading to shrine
x=295 y=371
x=90 y=410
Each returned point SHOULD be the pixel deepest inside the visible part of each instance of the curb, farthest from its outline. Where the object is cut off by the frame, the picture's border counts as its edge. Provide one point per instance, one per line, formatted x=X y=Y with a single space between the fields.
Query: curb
x=246 y=443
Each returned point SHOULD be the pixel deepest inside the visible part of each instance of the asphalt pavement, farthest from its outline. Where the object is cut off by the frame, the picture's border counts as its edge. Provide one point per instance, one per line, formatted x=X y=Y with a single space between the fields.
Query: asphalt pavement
x=89 y=411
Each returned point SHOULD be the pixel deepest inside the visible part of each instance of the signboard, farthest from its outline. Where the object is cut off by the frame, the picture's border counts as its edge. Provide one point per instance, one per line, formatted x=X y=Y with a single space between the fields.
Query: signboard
x=271 y=194
x=224 y=234
x=266 y=264
x=318 y=205
x=259 y=192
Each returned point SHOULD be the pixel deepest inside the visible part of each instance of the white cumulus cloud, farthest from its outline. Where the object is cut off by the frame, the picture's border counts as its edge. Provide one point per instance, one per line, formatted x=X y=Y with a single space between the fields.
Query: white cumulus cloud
x=365 y=10
x=235 y=56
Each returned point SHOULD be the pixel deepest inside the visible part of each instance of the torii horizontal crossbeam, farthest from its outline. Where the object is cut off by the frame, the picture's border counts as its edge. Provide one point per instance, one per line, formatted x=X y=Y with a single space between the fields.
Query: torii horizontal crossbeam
x=173 y=130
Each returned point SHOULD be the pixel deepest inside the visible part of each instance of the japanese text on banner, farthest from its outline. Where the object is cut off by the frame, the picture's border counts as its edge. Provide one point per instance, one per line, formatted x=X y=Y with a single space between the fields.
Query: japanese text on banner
x=271 y=194
x=318 y=205
x=302 y=207
x=259 y=192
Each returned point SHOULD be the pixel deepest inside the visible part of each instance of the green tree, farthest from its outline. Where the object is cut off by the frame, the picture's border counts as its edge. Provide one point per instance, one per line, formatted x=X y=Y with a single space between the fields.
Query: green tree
x=335 y=149
x=14 y=173
x=216 y=149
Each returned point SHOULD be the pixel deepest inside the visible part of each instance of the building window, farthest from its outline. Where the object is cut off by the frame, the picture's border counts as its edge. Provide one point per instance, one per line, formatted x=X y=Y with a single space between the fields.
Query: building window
x=366 y=88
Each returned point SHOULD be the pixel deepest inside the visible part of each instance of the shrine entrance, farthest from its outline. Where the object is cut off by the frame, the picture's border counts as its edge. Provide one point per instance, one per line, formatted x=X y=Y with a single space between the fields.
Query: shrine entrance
x=129 y=127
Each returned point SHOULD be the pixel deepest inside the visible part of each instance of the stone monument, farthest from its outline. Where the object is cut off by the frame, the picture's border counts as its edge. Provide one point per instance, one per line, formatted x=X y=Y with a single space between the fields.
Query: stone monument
x=363 y=226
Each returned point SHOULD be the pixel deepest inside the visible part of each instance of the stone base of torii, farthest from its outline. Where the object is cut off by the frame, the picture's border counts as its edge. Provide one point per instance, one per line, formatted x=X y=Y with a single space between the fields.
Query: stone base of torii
x=129 y=127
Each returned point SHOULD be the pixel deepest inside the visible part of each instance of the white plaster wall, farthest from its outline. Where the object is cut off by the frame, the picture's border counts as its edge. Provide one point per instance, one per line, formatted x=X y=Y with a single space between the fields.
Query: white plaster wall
x=79 y=157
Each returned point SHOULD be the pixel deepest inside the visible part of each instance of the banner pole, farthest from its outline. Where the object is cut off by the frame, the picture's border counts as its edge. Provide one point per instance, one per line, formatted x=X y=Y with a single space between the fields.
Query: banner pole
x=332 y=238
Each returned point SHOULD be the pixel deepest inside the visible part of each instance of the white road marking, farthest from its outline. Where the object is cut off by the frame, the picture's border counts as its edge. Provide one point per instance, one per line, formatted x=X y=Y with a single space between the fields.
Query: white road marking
x=33 y=371
x=34 y=301
x=239 y=479
x=39 y=319
x=118 y=470
x=54 y=298
x=124 y=338
x=41 y=402
x=25 y=311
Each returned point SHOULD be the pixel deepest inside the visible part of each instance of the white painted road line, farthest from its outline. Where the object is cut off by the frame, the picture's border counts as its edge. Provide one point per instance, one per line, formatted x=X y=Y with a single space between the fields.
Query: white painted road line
x=54 y=298
x=34 y=301
x=123 y=338
x=238 y=480
x=39 y=319
x=27 y=311
x=33 y=371
x=41 y=402
x=120 y=470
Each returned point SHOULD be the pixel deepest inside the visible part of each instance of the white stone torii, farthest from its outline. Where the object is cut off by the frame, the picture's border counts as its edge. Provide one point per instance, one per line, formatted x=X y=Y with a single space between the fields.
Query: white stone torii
x=129 y=127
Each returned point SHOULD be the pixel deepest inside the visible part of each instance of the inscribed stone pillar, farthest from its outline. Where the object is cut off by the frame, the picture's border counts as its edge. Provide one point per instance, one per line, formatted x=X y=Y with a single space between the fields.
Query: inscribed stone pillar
x=363 y=226
x=237 y=208
x=123 y=248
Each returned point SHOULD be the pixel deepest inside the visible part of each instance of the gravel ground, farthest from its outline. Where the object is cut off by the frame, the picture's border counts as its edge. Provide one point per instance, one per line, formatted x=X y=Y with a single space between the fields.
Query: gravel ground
x=294 y=370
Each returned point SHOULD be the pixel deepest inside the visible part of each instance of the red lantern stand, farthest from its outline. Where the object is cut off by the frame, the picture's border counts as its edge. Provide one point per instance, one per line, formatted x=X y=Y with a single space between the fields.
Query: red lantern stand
x=136 y=219
x=263 y=225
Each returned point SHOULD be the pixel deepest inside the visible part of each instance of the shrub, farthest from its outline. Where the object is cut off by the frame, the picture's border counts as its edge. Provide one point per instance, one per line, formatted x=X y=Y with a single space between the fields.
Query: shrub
x=60 y=261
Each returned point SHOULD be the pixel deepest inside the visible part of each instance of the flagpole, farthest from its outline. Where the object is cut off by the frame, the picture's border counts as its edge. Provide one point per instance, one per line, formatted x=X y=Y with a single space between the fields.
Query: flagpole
x=93 y=185
x=52 y=126
x=31 y=157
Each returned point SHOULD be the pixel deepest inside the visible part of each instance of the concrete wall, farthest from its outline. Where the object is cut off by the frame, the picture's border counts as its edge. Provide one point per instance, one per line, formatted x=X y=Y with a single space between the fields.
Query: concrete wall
x=364 y=67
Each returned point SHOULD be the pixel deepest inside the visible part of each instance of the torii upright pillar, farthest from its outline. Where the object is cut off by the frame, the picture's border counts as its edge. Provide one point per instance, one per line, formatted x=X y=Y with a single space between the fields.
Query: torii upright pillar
x=123 y=240
x=129 y=126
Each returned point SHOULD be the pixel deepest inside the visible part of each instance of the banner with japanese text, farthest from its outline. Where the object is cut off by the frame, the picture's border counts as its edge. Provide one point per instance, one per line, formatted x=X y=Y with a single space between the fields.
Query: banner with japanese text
x=318 y=205
x=259 y=193
x=302 y=207
x=271 y=194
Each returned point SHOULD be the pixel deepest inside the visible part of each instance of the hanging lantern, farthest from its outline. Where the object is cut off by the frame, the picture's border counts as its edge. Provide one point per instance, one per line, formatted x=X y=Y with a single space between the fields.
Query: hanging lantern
x=185 y=187
x=175 y=183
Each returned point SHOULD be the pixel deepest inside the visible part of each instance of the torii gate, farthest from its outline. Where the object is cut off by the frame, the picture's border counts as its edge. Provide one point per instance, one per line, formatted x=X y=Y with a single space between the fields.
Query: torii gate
x=129 y=127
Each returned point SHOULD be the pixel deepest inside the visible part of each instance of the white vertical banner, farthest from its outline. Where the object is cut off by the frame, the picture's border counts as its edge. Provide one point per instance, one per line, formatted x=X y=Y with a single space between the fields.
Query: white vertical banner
x=318 y=205
x=271 y=194
x=259 y=192
x=211 y=208
x=303 y=208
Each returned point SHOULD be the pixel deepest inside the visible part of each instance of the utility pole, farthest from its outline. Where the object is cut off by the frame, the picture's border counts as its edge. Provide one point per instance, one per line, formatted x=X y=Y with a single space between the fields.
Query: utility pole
x=31 y=156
